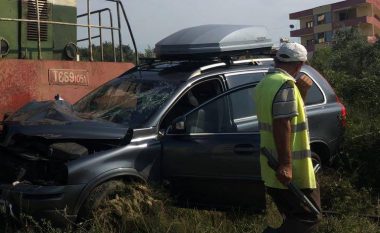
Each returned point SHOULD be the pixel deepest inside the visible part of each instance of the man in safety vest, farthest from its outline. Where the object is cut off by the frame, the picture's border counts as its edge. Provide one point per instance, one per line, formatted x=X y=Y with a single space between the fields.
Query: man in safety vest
x=284 y=132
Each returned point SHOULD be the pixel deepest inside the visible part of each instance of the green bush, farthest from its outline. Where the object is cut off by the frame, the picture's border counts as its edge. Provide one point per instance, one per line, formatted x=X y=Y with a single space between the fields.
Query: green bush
x=362 y=151
x=352 y=66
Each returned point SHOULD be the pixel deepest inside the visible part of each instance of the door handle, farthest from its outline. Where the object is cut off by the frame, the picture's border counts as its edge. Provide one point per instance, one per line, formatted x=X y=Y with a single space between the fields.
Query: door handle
x=244 y=149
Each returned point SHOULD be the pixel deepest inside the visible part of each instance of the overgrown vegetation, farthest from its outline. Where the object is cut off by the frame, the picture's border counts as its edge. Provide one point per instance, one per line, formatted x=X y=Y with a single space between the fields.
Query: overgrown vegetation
x=145 y=210
x=352 y=66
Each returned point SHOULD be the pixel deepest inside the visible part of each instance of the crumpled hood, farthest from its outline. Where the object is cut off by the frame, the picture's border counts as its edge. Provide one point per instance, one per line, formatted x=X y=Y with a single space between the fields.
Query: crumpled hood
x=58 y=120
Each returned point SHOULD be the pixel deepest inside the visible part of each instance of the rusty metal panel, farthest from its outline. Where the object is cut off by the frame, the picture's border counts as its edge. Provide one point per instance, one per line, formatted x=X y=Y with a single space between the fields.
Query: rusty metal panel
x=24 y=80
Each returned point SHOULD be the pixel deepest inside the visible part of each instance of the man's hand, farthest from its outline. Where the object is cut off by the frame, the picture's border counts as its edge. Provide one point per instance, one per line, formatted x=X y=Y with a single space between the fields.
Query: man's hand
x=284 y=174
x=304 y=83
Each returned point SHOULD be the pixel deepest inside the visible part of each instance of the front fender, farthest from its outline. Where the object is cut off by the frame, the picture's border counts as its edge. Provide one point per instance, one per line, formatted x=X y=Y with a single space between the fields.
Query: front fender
x=119 y=173
x=138 y=161
x=139 y=157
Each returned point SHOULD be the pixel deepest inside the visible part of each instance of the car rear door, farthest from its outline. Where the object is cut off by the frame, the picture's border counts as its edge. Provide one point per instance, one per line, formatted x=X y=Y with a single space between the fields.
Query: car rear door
x=215 y=160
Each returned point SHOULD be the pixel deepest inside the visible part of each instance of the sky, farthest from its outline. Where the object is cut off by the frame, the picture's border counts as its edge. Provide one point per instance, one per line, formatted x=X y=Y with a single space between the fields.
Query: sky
x=153 y=20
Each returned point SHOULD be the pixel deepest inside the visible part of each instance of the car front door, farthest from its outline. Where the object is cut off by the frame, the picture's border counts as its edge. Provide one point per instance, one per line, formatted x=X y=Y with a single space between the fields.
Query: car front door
x=214 y=160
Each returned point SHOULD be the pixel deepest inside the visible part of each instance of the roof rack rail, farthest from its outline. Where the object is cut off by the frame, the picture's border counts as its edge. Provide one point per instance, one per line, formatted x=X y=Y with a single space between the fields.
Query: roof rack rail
x=148 y=60
x=208 y=67
x=257 y=61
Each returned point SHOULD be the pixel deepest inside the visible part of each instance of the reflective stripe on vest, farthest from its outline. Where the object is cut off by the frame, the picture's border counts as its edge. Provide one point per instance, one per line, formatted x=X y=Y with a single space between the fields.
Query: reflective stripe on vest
x=302 y=166
x=303 y=154
x=295 y=128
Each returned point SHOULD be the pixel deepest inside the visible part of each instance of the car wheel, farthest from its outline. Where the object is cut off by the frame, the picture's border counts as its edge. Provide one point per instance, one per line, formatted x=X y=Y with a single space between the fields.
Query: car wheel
x=317 y=163
x=99 y=197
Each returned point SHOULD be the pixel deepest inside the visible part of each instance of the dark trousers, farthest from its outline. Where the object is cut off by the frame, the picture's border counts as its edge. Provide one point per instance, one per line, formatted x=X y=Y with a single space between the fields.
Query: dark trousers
x=297 y=218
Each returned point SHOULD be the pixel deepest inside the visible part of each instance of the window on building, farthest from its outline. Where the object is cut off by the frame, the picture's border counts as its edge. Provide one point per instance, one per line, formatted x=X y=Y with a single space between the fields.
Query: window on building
x=343 y=16
x=309 y=42
x=321 y=19
x=328 y=36
x=309 y=24
x=328 y=17
x=346 y=14
x=321 y=38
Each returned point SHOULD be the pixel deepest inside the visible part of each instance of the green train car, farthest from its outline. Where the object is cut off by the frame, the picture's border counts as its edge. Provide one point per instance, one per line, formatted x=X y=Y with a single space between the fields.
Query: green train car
x=20 y=39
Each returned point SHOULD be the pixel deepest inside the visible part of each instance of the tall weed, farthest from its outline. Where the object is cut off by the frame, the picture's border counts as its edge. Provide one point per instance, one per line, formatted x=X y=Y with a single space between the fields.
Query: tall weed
x=146 y=210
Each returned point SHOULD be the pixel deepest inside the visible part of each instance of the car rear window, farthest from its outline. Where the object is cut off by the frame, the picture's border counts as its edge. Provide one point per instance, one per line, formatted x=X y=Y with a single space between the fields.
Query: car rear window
x=314 y=95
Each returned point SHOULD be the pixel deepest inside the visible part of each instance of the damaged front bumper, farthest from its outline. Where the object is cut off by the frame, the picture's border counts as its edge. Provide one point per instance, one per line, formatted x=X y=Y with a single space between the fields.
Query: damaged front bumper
x=56 y=203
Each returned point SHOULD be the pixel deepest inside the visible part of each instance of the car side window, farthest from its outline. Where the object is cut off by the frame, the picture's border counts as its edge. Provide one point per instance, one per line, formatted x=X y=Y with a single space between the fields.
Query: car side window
x=238 y=79
x=231 y=113
x=211 y=118
x=314 y=95
x=194 y=97
x=244 y=110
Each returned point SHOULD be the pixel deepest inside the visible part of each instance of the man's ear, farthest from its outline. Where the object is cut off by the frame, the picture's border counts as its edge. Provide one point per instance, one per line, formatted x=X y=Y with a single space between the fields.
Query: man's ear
x=298 y=67
x=300 y=64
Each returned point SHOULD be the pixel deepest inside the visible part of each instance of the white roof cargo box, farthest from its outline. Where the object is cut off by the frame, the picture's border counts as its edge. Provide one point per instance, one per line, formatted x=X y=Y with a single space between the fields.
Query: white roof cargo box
x=211 y=41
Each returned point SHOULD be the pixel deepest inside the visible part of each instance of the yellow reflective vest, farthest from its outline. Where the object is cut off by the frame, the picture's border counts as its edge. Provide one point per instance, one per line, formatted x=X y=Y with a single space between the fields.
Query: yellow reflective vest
x=303 y=172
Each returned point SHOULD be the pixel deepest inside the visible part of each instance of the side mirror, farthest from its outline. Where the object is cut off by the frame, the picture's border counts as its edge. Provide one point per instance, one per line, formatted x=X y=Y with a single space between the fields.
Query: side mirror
x=178 y=125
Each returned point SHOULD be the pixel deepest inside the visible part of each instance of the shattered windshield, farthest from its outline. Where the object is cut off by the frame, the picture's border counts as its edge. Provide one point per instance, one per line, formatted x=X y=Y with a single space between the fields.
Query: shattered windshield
x=130 y=101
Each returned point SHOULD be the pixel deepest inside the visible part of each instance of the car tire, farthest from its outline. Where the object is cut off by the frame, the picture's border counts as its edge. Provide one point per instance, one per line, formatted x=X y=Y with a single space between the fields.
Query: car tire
x=317 y=163
x=99 y=196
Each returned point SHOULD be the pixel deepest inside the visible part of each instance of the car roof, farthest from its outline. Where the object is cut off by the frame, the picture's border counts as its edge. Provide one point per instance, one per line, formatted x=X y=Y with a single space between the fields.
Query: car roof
x=189 y=71
x=167 y=71
x=182 y=71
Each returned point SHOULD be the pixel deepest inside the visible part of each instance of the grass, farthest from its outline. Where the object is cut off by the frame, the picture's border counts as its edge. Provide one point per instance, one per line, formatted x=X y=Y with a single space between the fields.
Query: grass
x=146 y=210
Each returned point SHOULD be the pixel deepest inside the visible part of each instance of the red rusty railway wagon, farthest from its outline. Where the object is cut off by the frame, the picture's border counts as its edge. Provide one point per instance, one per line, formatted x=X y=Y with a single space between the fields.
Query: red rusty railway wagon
x=46 y=49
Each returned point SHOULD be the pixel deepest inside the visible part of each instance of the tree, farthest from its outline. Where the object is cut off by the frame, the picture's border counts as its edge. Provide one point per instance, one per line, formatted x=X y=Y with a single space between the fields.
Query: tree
x=352 y=66
x=128 y=53
x=149 y=52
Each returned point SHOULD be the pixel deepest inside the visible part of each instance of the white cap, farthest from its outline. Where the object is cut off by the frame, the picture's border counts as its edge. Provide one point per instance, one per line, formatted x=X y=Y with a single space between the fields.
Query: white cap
x=290 y=52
